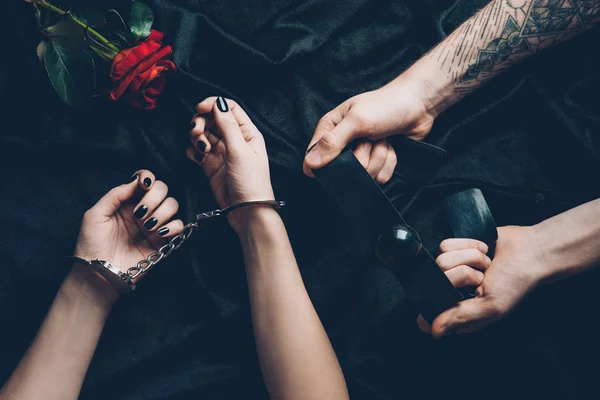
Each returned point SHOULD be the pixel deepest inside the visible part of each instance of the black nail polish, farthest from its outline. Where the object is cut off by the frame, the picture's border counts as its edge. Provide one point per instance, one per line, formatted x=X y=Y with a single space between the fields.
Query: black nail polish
x=147 y=182
x=134 y=177
x=151 y=223
x=222 y=104
x=141 y=211
x=163 y=231
x=312 y=147
x=192 y=124
x=199 y=157
x=201 y=145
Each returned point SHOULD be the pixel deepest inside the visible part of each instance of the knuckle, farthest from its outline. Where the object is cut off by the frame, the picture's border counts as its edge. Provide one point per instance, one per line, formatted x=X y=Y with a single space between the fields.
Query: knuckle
x=89 y=214
x=466 y=274
x=496 y=309
x=174 y=202
x=392 y=156
x=442 y=261
x=445 y=245
x=364 y=123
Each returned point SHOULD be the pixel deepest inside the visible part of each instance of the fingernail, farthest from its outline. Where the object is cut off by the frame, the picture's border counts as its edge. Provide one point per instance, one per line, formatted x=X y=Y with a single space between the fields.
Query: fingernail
x=201 y=145
x=222 y=104
x=134 y=177
x=163 y=231
x=151 y=223
x=480 y=275
x=313 y=157
x=312 y=147
x=147 y=182
x=141 y=211
x=488 y=260
x=483 y=248
x=199 y=157
x=192 y=124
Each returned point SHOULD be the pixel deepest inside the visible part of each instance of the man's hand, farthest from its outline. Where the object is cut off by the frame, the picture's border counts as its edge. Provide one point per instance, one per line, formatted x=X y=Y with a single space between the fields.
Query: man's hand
x=517 y=268
x=397 y=108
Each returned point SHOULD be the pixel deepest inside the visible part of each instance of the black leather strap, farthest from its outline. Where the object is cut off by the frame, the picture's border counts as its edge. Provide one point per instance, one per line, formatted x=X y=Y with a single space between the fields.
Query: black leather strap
x=470 y=217
x=363 y=201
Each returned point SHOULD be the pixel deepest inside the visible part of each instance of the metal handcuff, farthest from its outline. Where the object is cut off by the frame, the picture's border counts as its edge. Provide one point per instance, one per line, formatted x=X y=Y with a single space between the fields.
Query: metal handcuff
x=123 y=281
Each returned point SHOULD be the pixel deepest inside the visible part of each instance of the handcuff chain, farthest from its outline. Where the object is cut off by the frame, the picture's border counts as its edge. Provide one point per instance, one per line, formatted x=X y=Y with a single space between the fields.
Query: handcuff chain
x=165 y=251
x=177 y=241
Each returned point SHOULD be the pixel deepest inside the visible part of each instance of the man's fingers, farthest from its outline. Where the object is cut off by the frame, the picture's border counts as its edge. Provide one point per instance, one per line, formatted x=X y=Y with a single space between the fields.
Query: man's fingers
x=471 y=257
x=462 y=244
x=467 y=316
x=463 y=276
x=387 y=171
x=362 y=152
x=423 y=325
x=330 y=143
x=378 y=157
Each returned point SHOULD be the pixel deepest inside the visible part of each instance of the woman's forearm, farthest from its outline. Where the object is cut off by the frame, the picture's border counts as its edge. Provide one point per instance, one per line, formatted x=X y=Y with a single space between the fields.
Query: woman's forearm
x=498 y=36
x=295 y=354
x=55 y=364
x=569 y=243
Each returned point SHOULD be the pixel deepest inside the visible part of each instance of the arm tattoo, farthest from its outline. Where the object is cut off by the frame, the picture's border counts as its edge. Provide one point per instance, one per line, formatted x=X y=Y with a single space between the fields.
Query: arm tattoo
x=508 y=30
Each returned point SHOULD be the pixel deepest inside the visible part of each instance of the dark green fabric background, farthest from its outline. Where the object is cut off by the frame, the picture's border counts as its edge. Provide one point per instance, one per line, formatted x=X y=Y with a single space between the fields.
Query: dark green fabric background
x=530 y=141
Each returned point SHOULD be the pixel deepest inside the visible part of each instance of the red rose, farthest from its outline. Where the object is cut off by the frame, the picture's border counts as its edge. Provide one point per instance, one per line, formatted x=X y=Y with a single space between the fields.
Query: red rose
x=140 y=72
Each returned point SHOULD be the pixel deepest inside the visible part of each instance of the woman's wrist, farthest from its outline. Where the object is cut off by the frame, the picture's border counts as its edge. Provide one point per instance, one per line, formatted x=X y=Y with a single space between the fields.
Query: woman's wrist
x=85 y=288
x=248 y=220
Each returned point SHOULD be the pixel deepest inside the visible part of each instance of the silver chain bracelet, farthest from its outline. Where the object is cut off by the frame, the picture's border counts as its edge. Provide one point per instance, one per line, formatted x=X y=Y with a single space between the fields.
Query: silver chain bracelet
x=123 y=281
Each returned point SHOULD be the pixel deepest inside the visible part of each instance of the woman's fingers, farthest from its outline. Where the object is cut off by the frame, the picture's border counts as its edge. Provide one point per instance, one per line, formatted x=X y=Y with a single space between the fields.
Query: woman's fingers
x=471 y=257
x=226 y=125
x=145 y=179
x=462 y=244
x=112 y=201
x=463 y=276
x=170 y=229
x=387 y=171
x=200 y=124
x=200 y=142
x=150 y=202
x=163 y=213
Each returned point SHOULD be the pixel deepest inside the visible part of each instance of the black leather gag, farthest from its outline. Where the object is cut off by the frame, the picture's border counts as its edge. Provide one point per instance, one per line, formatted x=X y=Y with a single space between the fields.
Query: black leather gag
x=363 y=201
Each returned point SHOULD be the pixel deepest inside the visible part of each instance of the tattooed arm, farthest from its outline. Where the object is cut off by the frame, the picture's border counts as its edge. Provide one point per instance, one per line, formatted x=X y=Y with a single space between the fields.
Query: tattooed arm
x=498 y=36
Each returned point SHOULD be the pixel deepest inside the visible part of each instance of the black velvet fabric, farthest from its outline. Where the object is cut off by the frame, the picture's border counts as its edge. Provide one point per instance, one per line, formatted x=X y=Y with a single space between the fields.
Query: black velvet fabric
x=530 y=140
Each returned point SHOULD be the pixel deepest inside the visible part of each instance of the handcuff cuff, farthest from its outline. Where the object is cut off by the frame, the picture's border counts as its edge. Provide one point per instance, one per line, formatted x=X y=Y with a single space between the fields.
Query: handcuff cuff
x=123 y=281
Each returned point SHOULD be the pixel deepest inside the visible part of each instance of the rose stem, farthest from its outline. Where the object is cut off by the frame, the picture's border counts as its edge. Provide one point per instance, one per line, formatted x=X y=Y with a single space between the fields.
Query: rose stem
x=90 y=30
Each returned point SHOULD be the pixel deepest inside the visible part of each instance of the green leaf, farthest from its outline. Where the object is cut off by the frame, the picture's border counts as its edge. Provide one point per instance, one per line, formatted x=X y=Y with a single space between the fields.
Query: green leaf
x=72 y=74
x=141 y=22
x=90 y=13
x=67 y=33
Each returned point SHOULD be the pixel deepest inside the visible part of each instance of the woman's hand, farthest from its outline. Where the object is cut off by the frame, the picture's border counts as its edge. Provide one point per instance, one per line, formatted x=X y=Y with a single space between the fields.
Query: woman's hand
x=232 y=152
x=517 y=268
x=126 y=225
x=399 y=108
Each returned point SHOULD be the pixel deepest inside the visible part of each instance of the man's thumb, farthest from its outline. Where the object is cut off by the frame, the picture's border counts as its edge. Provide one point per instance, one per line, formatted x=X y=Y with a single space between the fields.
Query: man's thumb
x=329 y=143
x=466 y=316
